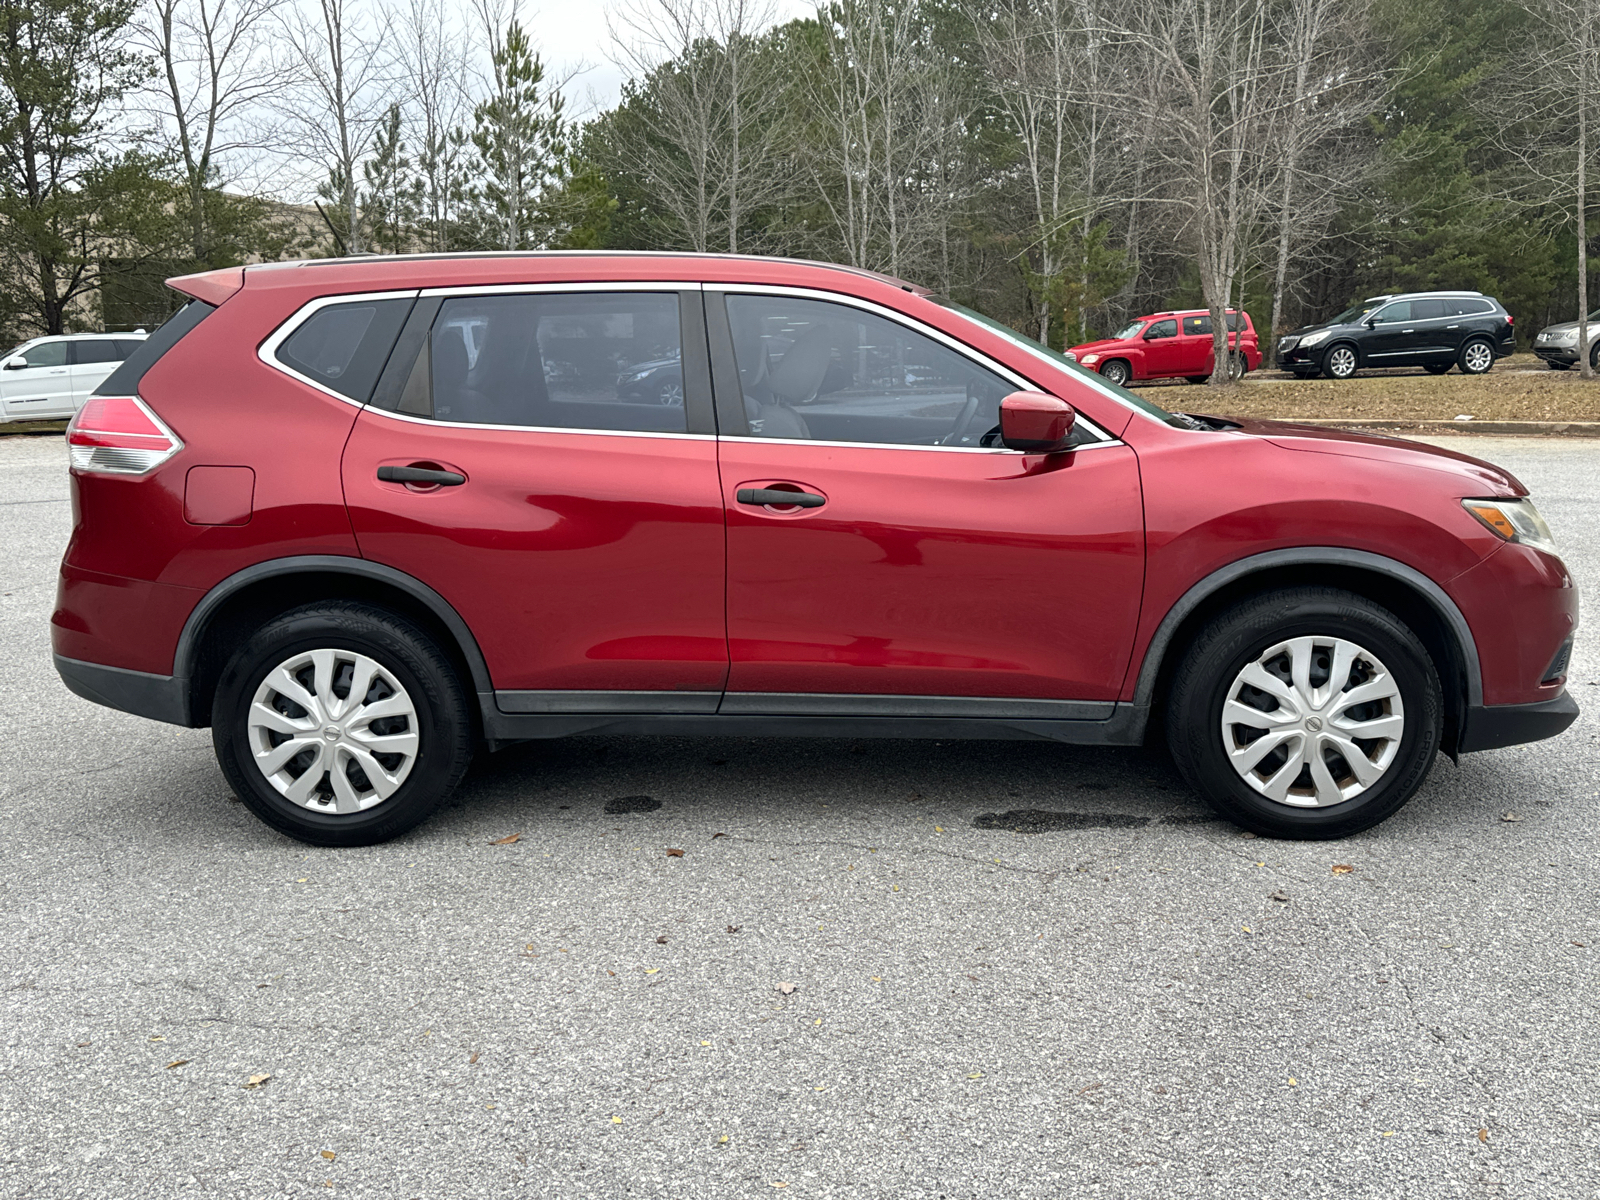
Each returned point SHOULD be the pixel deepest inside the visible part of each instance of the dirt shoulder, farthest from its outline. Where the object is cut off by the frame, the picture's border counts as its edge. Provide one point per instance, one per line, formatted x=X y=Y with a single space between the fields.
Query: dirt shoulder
x=1523 y=392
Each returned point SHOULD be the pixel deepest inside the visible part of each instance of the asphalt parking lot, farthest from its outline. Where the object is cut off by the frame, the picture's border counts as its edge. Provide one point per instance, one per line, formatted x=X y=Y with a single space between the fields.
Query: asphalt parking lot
x=1137 y=1001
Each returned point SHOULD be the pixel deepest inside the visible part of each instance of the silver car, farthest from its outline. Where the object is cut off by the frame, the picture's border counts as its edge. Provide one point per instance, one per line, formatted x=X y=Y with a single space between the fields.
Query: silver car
x=1558 y=344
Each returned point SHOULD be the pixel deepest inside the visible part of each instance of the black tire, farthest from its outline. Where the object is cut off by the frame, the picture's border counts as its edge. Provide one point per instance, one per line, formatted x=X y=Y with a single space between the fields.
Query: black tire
x=1311 y=374
x=1340 y=361
x=1473 y=360
x=1116 y=372
x=1238 y=365
x=1198 y=378
x=1437 y=368
x=1240 y=636
x=443 y=724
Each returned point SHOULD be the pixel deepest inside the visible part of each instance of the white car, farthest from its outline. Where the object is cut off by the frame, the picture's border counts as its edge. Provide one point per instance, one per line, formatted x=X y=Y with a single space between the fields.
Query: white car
x=50 y=377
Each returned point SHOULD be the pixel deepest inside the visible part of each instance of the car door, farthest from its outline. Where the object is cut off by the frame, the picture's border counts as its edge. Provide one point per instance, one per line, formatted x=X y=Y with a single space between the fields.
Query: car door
x=922 y=570
x=1163 y=350
x=1435 y=333
x=92 y=359
x=1196 y=349
x=37 y=383
x=576 y=526
x=1391 y=340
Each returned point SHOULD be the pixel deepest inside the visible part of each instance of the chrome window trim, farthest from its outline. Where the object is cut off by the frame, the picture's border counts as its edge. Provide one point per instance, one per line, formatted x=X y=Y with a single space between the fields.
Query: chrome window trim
x=970 y=353
x=267 y=352
x=1106 y=445
x=435 y=423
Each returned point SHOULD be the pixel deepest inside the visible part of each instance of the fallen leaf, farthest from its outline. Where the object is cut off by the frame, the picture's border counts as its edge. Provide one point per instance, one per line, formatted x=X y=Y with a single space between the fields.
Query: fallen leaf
x=723 y=1140
x=1093 y=1087
x=1483 y=1135
x=1389 y=1133
x=975 y=1075
x=1342 y=868
x=1161 y=1091
x=1280 y=897
x=81 y=1045
x=302 y=881
x=651 y=970
x=329 y=1155
x=735 y=928
x=177 y=1063
x=662 y=940
x=616 y=1120
x=613 y=974
x=674 y=853
x=1293 y=1082
x=473 y=1057
x=786 y=988
x=262 y=985
x=256 y=1081
x=158 y=1038
x=1247 y=834
x=779 y=1183
x=508 y=840
x=715 y=836
x=1508 y=815
x=938 y=828
x=1579 y=945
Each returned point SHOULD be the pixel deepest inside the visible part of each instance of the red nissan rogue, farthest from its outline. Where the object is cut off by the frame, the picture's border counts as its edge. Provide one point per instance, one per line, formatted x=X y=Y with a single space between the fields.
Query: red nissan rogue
x=366 y=517
x=1164 y=345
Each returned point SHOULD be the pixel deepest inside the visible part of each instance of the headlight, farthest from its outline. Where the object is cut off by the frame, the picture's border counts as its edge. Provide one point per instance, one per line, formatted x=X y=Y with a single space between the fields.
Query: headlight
x=1514 y=520
x=1089 y=360
x=638 y=375
x=1569 y=338
x=1313 y=339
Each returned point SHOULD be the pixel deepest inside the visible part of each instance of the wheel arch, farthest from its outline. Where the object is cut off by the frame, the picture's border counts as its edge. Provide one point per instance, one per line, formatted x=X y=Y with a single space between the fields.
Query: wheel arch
x=246 y=599
x=1355 y=348
x=1421 y=603
x=1125 y=358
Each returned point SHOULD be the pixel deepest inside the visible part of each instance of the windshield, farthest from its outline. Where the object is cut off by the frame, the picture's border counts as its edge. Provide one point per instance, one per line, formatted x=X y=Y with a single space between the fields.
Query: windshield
x=1132 y=399
x=1128 y=331
x=1355 y=313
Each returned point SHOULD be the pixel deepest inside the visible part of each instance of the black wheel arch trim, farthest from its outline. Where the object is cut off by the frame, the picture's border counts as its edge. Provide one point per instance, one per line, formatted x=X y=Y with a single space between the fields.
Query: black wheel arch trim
x=194 y=629
x=1301 y=556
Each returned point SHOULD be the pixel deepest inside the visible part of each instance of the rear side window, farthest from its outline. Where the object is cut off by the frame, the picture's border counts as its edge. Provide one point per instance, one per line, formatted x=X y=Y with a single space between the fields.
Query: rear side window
x=1426 y=310
x=344 y=346
x=569 y=360
x=124 y=381
x=1468 y=308
x=1196 y=325
x=126 y=346
x=85 y=353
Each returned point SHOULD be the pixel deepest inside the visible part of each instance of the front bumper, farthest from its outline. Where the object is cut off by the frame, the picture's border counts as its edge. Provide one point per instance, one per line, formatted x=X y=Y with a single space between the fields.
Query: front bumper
x=1492 y=726
x=1561 y=354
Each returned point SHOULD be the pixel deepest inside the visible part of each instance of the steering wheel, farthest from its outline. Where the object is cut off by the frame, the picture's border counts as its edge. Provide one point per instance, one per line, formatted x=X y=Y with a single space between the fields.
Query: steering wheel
x=968 y=411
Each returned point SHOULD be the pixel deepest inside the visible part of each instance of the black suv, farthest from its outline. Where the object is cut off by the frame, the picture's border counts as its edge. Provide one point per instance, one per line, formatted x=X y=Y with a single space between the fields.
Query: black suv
x=1435 y=330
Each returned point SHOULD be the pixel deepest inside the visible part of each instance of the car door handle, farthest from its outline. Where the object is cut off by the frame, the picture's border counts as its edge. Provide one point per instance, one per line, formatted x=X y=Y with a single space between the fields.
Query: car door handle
x=1452 y=327
x=779 y=496
x=1408 y=331
x=420 y=475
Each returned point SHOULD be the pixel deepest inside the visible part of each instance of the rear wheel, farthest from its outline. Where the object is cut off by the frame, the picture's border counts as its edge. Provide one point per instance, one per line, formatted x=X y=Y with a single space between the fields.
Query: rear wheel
x=1117 y=372
x=1339 y=362
x=341 y=724
x=1476 y=357
x=1308 y=713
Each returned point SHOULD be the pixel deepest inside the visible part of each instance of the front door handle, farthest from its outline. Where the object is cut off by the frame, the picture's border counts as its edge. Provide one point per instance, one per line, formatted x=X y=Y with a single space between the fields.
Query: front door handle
x=420 y=475
x=779 y=496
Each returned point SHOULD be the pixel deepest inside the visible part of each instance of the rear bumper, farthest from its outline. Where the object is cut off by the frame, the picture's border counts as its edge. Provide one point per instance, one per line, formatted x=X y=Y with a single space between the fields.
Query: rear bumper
x=1492 y=726
x=159 y=697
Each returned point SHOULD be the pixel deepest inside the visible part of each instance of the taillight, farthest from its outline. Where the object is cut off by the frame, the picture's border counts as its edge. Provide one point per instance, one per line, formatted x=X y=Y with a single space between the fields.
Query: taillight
x=119 y=435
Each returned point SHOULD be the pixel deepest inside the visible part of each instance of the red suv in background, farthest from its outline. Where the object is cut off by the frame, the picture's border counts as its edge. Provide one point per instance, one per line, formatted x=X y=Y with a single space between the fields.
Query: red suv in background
x=365 y=517
x=1169 y=344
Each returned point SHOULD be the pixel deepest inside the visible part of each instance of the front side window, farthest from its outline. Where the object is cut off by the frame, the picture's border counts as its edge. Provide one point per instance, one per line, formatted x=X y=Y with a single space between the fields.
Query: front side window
x=1163 y=329
x=563 y=360
x=1398 y=311
x=46 y=354
x=812 y=369
x=344 y=346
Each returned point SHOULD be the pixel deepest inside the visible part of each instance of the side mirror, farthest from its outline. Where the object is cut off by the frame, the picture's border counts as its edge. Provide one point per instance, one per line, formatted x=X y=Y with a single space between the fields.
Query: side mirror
x=16 y=364
x=1035 y=422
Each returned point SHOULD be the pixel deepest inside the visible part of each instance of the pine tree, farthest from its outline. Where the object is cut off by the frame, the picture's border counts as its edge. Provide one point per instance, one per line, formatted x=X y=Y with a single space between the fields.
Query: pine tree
x=520 y=136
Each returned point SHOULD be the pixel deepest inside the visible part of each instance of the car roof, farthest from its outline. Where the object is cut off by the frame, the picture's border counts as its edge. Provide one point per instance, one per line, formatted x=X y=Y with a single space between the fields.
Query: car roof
x=1417 y=295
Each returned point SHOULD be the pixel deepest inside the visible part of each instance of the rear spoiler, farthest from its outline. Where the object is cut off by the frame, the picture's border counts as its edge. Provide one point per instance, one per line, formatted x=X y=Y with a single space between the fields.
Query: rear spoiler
x=213 y=287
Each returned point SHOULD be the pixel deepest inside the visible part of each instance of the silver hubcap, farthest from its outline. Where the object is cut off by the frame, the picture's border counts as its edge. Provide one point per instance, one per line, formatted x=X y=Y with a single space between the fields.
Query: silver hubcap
x=1117 y=374
x=1342 y=362
x=333 y=731
x=1313 y=721
x=1479 y=357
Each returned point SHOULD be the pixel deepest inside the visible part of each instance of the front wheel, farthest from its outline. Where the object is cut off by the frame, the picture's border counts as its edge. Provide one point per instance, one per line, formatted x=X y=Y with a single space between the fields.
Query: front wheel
x=1560 y=366
x=1436 y=368
x=1476 y=357
x=1308 y=713
x=1339 y=362
x=341 y=724
x=1116 y=372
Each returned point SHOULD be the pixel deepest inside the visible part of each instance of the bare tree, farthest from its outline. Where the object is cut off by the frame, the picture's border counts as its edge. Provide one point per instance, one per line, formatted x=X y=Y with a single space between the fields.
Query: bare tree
x=342 y=99
x=1549 y=94
x=709 y=153
x=215 y=68
x=434 y=59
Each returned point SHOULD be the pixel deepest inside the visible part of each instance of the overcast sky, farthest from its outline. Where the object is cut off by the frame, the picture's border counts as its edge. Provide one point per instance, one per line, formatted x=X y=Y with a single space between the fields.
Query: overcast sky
x=573 y=36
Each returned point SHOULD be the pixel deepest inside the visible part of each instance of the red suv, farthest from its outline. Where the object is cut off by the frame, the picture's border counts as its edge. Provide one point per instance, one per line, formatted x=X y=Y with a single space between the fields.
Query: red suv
x=1169 y=344
x=366 y=517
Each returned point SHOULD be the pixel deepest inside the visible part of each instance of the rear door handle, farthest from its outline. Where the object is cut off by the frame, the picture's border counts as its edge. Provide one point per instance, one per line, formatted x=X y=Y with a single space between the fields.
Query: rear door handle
x=779 y=496
x=420 y=475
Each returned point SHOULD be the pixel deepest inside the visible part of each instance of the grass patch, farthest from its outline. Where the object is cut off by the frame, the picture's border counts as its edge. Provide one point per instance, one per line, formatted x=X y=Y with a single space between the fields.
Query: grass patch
x=1504 y=394
x=15 y=427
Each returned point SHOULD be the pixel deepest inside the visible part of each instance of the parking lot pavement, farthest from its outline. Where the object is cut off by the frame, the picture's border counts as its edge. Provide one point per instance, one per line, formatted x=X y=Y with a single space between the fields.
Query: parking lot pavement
x=1138 y=1001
